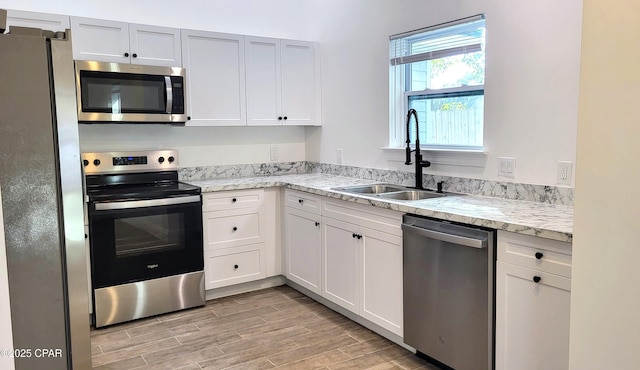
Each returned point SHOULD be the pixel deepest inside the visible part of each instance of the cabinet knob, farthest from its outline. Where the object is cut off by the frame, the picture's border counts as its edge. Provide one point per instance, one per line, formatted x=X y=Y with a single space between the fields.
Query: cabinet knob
x=86 y=236
x=539 y=255
x=235 y=267
x=234 y=200
x=300 y=201
x=279 y=118
x=359 y=237
x=188 y=118
x=536 y=279
x=235 y=228
x=134 y=55
x=285 y=118
x=126 y=55
x=317 y=223
x=353 y=235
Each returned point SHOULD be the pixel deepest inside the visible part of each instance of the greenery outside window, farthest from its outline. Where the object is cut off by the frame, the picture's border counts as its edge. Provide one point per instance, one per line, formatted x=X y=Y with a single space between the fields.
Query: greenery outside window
x=439 y=72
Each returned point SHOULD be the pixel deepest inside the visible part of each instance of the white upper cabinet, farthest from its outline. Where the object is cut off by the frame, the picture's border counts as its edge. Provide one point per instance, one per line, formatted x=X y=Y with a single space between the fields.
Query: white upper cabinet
x=282 y=82
x=215 y=78
x=300 y=83
x=50 y=22
x=119 y=42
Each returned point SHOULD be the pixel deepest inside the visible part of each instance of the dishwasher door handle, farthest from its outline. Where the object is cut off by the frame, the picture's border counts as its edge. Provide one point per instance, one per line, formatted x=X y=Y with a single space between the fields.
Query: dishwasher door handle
x=446 y=237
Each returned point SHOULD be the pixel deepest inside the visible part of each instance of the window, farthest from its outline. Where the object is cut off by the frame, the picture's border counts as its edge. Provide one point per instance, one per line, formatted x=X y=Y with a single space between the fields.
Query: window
x=439 y=72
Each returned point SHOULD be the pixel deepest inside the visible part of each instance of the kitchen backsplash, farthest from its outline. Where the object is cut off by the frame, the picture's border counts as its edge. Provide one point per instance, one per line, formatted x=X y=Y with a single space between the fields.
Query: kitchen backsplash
x=507 y=190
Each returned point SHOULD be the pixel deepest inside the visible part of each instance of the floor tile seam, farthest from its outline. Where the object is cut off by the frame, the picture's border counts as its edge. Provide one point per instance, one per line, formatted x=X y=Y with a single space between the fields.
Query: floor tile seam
x=403 y=367
x=139 y=344
x=140 y=354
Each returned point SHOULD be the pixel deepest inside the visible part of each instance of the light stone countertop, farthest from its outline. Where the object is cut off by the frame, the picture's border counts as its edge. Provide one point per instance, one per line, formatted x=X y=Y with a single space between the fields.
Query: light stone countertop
x=531 y=218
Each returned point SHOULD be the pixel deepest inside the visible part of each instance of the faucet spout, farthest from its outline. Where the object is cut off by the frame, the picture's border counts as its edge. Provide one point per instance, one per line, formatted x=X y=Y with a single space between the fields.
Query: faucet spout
x=420 y=163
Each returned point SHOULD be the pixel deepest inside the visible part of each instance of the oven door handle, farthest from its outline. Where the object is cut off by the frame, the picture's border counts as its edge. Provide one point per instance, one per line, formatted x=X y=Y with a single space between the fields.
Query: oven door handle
x=107 y=206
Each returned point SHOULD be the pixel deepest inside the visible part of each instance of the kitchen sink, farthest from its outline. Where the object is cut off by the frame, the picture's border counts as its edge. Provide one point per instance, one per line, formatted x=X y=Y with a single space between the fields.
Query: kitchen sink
x=372 y=189
x=412 y=195
x=392 y=192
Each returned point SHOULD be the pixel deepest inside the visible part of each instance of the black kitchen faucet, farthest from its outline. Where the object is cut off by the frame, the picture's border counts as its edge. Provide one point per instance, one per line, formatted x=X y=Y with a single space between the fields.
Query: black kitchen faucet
x=419 y=162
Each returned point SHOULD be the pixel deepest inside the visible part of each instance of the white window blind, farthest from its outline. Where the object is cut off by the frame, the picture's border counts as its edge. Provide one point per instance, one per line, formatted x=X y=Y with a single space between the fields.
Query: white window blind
x=454 y=38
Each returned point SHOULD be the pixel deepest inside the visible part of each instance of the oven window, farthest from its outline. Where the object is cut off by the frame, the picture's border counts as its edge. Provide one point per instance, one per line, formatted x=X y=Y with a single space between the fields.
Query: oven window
x=149 y=234
x=108 y=92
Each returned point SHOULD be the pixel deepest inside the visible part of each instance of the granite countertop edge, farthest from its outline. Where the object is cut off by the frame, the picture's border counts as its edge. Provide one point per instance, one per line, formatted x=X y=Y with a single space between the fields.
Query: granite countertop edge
x=530 y=218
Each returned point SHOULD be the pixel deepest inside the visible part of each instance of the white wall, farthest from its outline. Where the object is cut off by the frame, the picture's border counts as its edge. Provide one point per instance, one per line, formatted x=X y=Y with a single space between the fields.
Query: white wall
x=605 y=293
x=532 y=65
x=531 y=76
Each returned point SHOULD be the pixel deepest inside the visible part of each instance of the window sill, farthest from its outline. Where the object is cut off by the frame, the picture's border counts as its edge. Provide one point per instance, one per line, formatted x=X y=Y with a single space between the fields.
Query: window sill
x=448 y=157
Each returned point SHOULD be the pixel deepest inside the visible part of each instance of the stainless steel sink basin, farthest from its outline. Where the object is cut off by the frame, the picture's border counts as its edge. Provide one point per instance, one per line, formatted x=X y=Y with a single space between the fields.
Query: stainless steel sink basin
x=372 y=189
x=412 y=195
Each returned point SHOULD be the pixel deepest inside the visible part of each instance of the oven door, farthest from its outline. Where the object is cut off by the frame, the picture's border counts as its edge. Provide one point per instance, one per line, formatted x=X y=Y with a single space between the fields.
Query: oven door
x=145 y=239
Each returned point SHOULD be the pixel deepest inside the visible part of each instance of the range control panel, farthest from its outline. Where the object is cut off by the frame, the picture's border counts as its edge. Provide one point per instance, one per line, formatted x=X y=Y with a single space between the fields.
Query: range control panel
x=130 y=161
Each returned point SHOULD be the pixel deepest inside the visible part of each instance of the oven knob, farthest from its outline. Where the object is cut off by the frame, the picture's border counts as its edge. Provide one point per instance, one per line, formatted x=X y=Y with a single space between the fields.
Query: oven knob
x=85 y=162
x=161 y=159
x=96 y=162
x=171 y=159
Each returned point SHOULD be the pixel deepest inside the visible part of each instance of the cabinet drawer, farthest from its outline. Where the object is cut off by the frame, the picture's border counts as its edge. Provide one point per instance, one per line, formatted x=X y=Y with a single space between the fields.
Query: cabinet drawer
x=380 y=219
x=236 y=227
x=541 y=254
x=219 y=201
x=233 y=268
x=303 y=201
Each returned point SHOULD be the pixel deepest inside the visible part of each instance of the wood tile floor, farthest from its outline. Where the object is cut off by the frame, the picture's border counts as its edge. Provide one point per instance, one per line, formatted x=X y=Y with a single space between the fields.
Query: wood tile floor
x=271 y=328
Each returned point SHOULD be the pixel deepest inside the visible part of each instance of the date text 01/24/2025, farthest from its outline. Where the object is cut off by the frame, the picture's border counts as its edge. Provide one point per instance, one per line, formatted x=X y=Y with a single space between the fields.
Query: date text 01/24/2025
x=28 y=352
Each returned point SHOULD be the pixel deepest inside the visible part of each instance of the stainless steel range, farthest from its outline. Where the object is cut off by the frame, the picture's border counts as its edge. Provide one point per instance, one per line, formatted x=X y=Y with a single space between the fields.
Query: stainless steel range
x=145 y=230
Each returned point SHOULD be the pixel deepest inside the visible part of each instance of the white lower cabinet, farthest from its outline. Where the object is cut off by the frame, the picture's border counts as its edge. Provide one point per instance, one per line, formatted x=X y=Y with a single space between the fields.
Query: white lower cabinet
x=303 y=248
x=533 y=299
x=382 y=279
x=239 y=237
x=341 y=257
x=362 y=261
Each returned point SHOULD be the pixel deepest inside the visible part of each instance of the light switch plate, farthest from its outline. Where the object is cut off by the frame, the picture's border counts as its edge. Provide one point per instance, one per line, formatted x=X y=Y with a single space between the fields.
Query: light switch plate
x=273 y=154
x=565 y=170
x=507 y=167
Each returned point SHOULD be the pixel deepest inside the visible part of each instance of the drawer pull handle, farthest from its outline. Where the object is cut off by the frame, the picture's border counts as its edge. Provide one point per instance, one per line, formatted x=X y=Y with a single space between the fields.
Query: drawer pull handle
x=235 y=228
x=300 y=201
x=536 y=279
x=317 y=223
x=235 y=267
x=539 y=255
x=234 y=200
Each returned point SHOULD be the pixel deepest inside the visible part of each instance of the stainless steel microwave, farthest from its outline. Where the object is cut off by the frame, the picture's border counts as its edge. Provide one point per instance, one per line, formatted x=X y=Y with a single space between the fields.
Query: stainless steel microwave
x=129 y=93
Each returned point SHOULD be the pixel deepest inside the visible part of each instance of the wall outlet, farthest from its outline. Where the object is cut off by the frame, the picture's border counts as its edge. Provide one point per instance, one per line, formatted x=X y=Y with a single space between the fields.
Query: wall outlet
x=339 y=156
x=564 y=172
x=507 y=167
x=273 y=154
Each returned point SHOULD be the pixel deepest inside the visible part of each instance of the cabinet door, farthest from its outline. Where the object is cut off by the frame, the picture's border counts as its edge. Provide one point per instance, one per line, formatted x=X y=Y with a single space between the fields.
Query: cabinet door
x=300 y=83
x=215 y=78
x=340 y=263
x=532 y=319
x=100 y=40
x=153 y=45
x=303 y=249
x=50 y=22
x=382 y=279
x=264 y=81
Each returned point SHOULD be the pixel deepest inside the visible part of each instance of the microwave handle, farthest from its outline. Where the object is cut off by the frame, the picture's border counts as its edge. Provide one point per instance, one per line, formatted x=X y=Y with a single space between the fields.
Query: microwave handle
x=169 y=87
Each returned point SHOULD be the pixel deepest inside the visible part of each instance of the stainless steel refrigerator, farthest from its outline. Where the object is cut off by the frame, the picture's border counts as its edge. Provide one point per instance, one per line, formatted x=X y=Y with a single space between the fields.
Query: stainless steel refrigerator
x=42 y=201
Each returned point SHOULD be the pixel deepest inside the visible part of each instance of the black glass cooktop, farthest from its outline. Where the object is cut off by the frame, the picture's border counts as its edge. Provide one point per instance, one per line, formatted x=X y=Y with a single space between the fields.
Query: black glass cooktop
x=137 y=186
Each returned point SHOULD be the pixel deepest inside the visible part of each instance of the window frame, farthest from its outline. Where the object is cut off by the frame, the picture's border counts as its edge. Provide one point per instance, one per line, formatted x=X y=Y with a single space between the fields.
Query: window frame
x=399 y=76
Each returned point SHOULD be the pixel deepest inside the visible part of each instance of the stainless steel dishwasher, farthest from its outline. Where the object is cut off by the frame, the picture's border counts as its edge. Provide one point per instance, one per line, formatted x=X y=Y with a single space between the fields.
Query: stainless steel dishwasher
x=449 y=292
